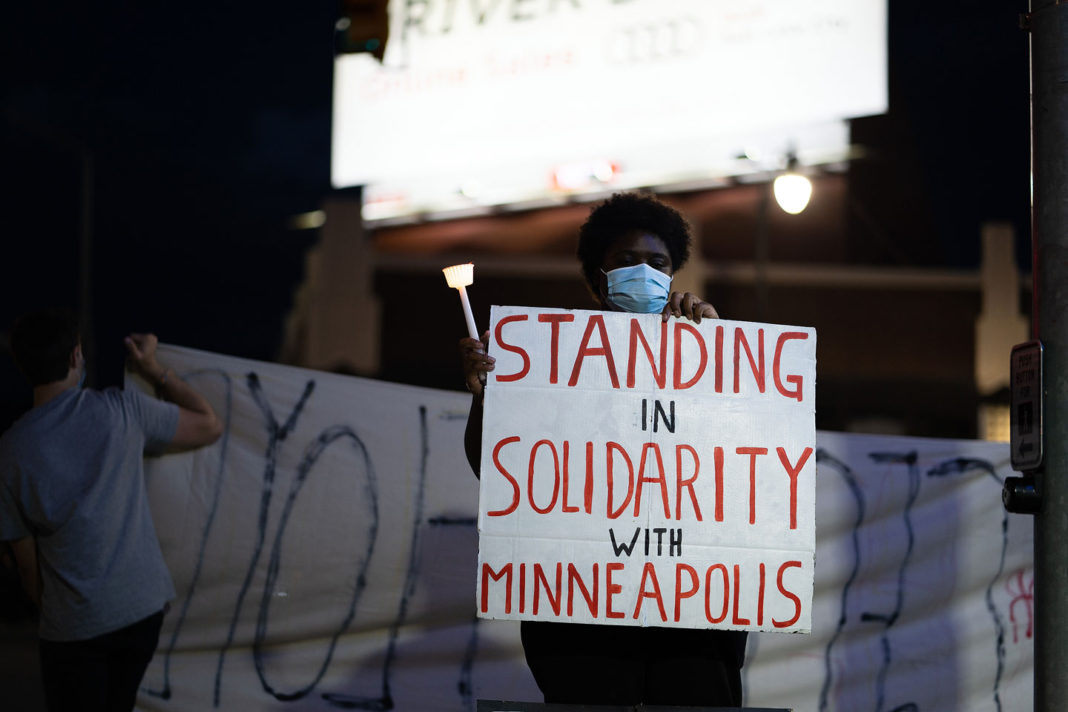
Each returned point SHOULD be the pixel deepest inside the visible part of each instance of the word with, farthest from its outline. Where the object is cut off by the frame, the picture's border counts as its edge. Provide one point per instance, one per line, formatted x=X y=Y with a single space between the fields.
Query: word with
x=713 y=588
x=674 y=541
x=687 y=471
x=683 y=339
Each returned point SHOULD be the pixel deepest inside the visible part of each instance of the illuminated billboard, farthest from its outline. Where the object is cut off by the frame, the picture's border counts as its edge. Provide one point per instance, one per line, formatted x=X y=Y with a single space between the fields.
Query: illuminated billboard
x=493 y=102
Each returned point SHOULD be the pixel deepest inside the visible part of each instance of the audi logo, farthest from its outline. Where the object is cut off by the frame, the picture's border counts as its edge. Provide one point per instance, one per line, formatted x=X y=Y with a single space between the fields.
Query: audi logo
x=654 y=41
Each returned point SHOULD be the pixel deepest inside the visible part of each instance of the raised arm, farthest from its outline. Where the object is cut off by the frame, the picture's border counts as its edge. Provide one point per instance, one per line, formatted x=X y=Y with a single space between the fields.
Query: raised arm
x=197 y=423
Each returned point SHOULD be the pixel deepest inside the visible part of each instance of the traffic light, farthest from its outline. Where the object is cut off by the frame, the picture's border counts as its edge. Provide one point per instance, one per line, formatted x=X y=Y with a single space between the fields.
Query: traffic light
x=363 y=26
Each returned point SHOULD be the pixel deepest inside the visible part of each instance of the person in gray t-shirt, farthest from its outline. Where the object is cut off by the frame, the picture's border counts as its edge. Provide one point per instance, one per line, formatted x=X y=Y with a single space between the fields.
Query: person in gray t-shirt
x=73 y=504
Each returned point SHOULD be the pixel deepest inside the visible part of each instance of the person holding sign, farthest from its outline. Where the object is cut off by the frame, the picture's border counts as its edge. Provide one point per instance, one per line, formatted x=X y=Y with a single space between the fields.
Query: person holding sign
x=629 y=248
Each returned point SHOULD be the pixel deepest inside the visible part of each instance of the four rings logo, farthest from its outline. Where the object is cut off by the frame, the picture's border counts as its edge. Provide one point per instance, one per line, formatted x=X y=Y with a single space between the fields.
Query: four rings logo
x=653 y=41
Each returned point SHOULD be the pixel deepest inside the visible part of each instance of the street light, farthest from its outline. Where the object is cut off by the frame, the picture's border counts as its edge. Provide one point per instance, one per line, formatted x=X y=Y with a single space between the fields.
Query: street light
x=792 y=189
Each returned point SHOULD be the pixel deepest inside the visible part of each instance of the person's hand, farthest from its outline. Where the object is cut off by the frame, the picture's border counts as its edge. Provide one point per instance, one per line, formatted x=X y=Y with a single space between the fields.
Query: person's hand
x=690 y=306
x=476 y=362
x=141 y=349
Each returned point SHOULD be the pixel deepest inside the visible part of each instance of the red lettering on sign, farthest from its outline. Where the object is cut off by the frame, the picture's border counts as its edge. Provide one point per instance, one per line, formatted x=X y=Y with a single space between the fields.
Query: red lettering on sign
x=641 y=353
x=625 y=478
x=735 y=618
x=574 y=579
x=567 y=480
x=797 y=601
x=687 y=483
x=659 y=478
x=722 y=584
x=1023 y=594
x=610 y=476
x=719 y=359
x=677 y=380
x=522 y=588
x=718 y=456
x=611 y=589
x=740 y=342
x=587 y=494
x=530 y=477
x=511 y=480
x=795 y=381
x=680 y=594
x=514 y=349
x=649 y=574
x=487 y=574
x=554 y=321
x=708 y=593
x=660 y=376
x=752 y=452
x=760 y=596
x=792 y=471
x=539 y=578
x=605 y=349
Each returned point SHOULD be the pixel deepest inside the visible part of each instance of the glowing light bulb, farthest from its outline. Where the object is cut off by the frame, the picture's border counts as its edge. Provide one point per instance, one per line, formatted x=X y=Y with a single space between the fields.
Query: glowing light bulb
x=792 y=192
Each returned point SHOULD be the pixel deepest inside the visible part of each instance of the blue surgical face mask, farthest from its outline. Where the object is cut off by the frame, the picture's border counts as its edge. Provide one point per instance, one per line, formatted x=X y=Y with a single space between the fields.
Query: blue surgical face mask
x=639 y=288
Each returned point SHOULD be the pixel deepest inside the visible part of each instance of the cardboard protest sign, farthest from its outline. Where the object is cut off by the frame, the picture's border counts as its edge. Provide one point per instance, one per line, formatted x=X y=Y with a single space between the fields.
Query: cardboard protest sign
x=642 y=472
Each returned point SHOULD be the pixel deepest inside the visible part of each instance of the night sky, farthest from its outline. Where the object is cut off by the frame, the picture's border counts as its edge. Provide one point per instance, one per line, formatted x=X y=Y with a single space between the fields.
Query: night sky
x=207 y=128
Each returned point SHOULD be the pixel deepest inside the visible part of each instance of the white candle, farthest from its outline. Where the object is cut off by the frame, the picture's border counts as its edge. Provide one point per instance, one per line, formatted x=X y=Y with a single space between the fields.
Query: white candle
x=459 y=277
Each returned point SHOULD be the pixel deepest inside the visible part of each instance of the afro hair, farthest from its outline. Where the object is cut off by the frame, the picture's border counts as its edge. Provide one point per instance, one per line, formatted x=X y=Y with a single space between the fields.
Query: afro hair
x=621 y=215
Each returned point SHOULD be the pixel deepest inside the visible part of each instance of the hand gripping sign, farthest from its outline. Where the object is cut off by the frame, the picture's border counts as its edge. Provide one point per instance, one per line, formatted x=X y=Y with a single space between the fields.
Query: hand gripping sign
x=642 y=472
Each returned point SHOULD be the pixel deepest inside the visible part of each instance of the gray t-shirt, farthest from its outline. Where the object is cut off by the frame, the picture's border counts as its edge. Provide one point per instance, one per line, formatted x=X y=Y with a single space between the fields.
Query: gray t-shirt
x=72 y=475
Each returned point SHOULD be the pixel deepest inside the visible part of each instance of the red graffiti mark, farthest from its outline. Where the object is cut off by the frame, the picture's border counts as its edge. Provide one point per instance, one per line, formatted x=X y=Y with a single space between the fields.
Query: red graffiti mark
x=1022 y=590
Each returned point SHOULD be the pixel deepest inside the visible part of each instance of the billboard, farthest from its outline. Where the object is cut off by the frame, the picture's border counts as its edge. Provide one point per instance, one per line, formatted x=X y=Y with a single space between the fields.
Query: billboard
x=491 y=103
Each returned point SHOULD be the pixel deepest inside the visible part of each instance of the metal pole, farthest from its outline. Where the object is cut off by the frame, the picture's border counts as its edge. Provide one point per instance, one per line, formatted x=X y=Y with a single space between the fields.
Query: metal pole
x=1049 y=224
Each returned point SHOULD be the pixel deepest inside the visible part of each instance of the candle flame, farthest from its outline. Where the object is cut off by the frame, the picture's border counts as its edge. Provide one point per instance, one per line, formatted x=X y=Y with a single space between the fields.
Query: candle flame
x=460 y=275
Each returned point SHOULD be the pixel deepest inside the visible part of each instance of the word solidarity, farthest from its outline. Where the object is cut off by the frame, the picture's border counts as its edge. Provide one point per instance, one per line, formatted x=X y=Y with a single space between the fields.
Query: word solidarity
x=619 y=479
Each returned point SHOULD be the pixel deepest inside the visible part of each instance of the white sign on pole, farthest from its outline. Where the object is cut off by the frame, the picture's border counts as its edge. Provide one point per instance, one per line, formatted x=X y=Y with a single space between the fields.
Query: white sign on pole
x=642 y=472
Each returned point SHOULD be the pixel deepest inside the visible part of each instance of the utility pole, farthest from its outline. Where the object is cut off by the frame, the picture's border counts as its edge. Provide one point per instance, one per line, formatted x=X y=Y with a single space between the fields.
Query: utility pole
x=1048 y=24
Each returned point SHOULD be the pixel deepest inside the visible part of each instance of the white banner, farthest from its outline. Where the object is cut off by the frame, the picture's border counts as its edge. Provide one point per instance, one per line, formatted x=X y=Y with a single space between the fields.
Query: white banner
x=643 y=472
x=324 y=553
